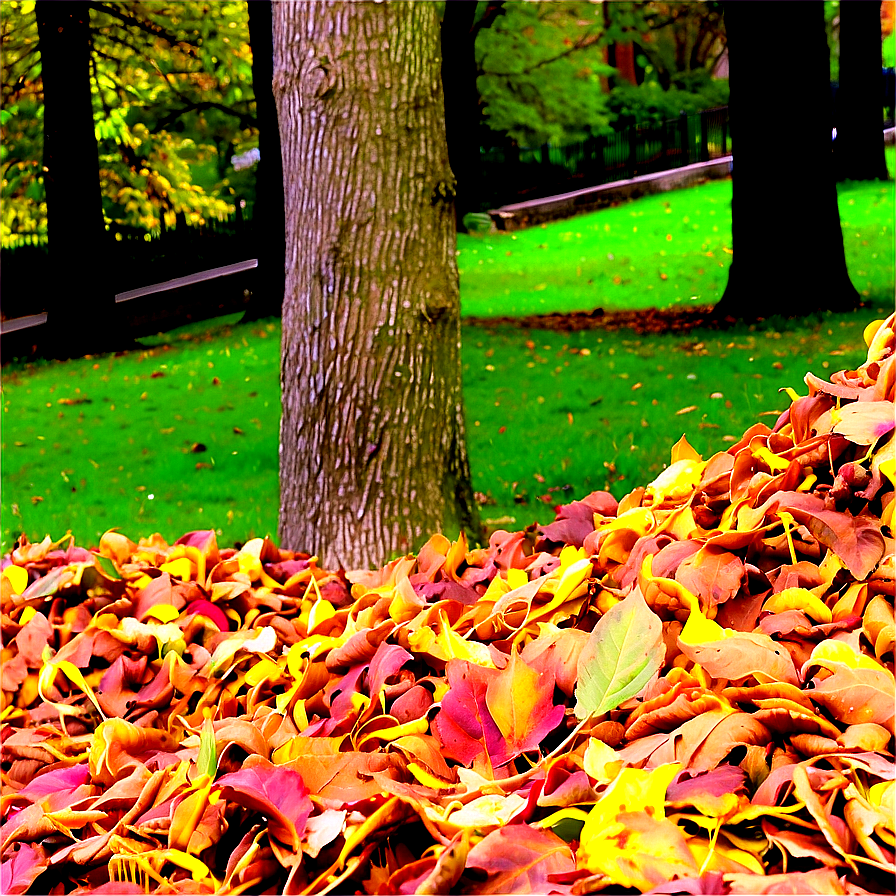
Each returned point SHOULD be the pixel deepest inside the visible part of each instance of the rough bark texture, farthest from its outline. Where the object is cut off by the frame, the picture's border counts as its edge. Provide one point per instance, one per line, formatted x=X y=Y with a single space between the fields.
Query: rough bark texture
x=267 y=220
x=80 y=311
x=859 y=148
x=372 y=456
x=775 y=212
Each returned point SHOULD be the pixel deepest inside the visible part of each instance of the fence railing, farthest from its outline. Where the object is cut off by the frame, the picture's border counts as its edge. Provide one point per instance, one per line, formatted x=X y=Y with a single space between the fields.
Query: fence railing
x=511 y=172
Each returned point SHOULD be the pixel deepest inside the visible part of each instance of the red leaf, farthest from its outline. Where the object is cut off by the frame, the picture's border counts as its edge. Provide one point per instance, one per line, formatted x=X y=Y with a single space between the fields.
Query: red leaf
x=464 y=725
x=856 y=540
x=277 y=793
x=520 y=859
x=520 y=699
x=18 y=873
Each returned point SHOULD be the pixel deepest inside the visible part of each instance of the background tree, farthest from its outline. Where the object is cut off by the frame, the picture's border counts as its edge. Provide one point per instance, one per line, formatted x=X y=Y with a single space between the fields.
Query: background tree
x=268 y=224
x=373 y=453
x=79 y=309
x=462 y=21
x=541 y=65
x=859 y=147
x=171 y=100
x=759 y=284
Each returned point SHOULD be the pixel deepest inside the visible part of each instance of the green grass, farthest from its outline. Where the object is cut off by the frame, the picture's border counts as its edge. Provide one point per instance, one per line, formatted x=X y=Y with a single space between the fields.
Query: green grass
x=657 y=252
x=107 y=442
x=553 y=416
x=668 y=250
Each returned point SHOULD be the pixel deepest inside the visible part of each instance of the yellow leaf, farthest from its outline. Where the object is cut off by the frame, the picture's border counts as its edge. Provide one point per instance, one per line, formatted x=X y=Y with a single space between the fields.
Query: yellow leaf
x=17 y=576
x=600 y=761
x=675 y=483
x=490 y=811
x=626 y=835
x=179 y=569
x=830 y=653
x=48 y=675
x=683 y=450
x=162 y=612
x=447 y=644
x=633 y=790
x=798 y=599
x=701 y=630
x=321 y=611
x=265 y=669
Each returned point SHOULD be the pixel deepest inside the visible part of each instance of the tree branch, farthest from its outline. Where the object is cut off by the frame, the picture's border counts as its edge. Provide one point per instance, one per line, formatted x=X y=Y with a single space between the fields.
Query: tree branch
x=132 y=22
x=245 y=120
x=588 y=40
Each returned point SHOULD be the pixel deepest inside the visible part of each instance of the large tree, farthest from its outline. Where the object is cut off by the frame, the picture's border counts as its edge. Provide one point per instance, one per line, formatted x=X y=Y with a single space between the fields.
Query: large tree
x=372 y=448
x=787 y=241
x=268 y=225
x=79 y=308
x=859 y=147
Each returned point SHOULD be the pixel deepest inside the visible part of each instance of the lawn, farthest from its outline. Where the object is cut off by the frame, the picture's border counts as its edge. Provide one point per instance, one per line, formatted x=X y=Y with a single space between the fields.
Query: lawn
x=184 y=434
x=668 y=250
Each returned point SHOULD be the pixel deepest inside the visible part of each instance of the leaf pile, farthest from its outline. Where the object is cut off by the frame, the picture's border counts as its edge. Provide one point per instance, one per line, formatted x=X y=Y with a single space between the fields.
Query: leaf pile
x=689 y=692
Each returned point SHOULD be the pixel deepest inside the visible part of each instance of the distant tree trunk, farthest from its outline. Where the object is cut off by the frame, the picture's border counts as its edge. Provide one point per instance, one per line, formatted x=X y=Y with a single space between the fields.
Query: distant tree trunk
x=268 y=223
x=79 y=306
x=859 y=147
x=462 y=114
x=372 y=444
x=624 y=61
x=788 y=246
x=463 y=109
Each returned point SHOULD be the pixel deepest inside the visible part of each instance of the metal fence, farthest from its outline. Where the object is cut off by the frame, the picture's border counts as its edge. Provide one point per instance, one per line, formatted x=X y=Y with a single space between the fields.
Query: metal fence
x=510 y=171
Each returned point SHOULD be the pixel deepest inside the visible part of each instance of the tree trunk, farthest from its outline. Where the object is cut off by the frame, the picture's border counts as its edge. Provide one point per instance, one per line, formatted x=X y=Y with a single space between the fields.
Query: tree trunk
x=372 y=445
x=268 y=225
x=462 y=112
x=80 y=308
x=859 y=147
x=788 y=246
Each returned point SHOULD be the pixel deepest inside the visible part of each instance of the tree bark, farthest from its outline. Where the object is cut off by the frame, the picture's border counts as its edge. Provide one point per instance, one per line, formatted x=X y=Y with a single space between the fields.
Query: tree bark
x=80 y=309
x=787 y=241
x=268 y=225
x=859 y=147
x=372 y=446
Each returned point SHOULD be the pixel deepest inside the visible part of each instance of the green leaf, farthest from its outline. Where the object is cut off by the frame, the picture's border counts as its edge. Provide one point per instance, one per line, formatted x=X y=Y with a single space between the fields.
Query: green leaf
x=623 y=652
x=108 y=568
x=207 y=760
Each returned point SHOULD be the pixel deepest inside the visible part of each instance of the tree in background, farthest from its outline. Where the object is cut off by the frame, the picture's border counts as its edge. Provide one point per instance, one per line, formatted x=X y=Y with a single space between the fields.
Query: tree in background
x=78 y=308
x=760 y=285
x=859 y=147
x=669 y=51
x=373 y=450
x=268 y=224
x=171 y=100
x=541 y=65
x=462 y=21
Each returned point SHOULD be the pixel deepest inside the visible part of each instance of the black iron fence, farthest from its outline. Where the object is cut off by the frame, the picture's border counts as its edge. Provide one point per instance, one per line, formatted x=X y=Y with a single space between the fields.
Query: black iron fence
x=510 y=172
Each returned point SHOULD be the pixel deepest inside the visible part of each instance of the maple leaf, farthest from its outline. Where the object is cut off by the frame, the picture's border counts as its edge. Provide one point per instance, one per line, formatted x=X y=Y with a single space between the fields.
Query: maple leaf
x=520 y=700
x=464 y=724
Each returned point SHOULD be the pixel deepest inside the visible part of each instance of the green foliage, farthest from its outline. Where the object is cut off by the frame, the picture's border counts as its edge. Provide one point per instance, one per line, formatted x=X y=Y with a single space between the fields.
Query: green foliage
x=544 y=76
x=541 y=65
x=649 y=104
x=173 y=101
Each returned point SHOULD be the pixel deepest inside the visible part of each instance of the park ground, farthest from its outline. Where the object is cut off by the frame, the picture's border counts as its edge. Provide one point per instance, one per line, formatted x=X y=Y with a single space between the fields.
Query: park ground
x=183 y=434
